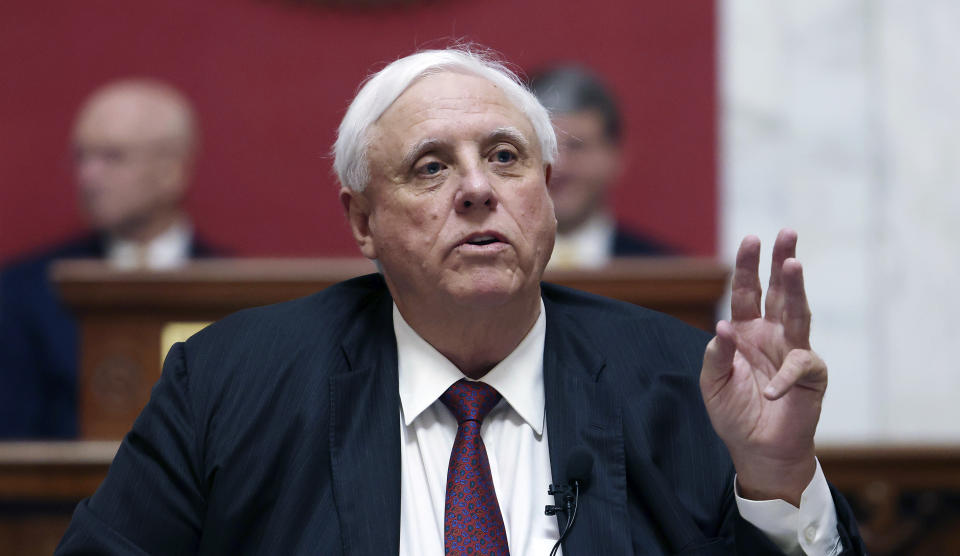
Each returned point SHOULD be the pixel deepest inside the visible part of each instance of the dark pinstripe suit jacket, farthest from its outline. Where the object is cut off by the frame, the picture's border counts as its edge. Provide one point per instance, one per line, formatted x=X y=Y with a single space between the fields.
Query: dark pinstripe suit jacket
x=276 y=431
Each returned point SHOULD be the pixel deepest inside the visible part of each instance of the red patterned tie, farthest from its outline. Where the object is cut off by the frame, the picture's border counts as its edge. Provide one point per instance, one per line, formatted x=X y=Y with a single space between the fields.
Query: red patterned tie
x=472 y=523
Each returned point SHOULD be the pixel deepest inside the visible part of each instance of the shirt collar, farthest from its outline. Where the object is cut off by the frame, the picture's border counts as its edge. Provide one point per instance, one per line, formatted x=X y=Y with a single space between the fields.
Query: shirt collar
x=590 y=245
x=168 y=250
x=425 y=374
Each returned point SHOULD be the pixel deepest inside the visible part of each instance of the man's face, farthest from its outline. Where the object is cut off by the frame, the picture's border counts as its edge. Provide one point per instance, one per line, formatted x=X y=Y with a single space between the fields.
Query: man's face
x=588 y=165
x=127 y=166
x=457 y=210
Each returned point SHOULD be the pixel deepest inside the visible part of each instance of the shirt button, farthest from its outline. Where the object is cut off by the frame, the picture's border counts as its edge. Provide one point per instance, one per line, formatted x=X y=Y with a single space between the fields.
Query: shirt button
x=810 y=533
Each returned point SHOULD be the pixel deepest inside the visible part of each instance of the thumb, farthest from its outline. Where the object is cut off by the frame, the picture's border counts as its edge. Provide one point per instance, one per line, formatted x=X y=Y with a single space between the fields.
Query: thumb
x=718 y=358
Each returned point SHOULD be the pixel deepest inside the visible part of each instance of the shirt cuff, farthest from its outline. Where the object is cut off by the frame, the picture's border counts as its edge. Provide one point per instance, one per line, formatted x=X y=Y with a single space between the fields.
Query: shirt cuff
x=809 y=529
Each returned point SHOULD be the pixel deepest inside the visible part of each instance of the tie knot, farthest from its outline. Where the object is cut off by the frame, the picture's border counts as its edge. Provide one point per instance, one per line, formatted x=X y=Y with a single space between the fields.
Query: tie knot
x=469 y=400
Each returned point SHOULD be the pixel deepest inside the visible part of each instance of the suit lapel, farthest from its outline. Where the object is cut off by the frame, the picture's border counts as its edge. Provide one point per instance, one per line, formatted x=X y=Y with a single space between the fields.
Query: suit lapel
x=582 y=411
x=365 y=435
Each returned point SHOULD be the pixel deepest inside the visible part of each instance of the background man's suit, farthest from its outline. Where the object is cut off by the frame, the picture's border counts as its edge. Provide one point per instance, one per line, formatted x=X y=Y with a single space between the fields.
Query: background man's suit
x=38 y=345
x=628 y=244
x=276 y=431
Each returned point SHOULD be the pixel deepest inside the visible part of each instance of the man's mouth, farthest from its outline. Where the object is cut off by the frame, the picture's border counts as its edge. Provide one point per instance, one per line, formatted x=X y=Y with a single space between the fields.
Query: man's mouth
x=482 y=240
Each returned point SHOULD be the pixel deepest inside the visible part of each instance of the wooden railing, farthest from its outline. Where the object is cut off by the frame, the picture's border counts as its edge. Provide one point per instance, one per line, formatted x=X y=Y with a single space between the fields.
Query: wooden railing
x=40 y=483
x=123 y=314
x=906 y=497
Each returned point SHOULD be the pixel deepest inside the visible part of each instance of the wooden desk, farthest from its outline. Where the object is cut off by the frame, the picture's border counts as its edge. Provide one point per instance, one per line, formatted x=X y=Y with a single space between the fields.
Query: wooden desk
x=906 y=497
x=40 y=484
x=122 y=313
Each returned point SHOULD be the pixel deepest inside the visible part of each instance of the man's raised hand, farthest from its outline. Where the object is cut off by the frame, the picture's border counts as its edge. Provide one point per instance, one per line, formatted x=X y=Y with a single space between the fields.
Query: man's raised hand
x=762 y=384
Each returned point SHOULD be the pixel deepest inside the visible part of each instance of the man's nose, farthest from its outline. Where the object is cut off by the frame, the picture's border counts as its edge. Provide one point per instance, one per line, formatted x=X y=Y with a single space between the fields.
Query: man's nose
x=475 y=191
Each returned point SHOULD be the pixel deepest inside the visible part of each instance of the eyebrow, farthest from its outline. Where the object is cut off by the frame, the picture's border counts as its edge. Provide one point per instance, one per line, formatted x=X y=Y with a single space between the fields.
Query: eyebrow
x=418 y=149
x=508 y=133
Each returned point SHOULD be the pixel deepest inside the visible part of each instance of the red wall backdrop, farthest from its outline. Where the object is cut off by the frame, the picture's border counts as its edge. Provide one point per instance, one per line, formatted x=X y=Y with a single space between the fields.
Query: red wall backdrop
x=271 y=80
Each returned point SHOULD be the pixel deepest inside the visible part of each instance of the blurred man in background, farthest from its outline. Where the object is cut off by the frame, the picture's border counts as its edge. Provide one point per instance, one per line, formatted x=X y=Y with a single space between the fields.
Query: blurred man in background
x=589 y=130
x=134 y=143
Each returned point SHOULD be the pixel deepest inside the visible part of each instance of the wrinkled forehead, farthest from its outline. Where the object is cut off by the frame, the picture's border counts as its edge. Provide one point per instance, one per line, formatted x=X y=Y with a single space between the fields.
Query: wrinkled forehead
x=450 y=99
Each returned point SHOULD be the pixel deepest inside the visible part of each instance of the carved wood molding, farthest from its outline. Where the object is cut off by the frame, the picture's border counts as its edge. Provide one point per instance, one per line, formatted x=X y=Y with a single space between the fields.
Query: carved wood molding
x=906 y=497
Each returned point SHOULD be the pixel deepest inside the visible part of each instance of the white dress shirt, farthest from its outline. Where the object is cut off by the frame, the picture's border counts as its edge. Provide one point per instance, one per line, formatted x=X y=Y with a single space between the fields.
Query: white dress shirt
x=514 y=433
x=809 y=529
x=515 y=436
x=168 y=250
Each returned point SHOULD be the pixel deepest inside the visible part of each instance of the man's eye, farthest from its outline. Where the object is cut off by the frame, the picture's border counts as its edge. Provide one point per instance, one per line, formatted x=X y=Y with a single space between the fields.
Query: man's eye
x=107 y=155
x=504 y=156
x=114 y=156
x=431 y=168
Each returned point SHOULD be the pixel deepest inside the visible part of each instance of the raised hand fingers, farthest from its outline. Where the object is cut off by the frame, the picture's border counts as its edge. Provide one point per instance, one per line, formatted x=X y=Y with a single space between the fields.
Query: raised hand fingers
x=785 y=247
x=800 y=366
x=796 y=311
x=746 y=292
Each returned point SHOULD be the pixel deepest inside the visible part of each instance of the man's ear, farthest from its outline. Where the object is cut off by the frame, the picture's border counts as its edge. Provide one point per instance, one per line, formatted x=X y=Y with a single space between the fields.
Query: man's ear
x=170 y=178
x=357 y=208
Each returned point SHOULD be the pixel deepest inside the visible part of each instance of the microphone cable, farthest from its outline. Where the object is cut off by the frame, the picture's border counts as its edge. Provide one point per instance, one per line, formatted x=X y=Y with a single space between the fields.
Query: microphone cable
x=579 y=468
x=571 y=512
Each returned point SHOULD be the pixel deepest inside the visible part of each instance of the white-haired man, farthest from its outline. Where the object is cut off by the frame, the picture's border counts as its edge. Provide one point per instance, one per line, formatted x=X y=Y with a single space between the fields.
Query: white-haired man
x=426 y=410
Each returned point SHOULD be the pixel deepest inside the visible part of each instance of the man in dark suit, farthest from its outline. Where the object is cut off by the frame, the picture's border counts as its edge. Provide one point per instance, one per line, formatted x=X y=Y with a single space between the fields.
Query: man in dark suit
x=134 y=143
x=424 y=410
x=589 y=133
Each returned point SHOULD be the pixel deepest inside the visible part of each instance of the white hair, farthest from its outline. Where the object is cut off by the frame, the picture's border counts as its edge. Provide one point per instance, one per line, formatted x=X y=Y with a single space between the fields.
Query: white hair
x=383 y=88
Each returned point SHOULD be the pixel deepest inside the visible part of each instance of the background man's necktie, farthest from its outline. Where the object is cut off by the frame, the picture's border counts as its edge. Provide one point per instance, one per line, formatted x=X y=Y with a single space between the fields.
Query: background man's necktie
x=472 y=523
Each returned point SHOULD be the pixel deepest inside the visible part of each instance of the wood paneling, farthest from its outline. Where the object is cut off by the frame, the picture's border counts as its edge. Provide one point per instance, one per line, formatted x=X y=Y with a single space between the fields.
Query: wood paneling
x=907 y=498
x=123 y=313
x=40 y=484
